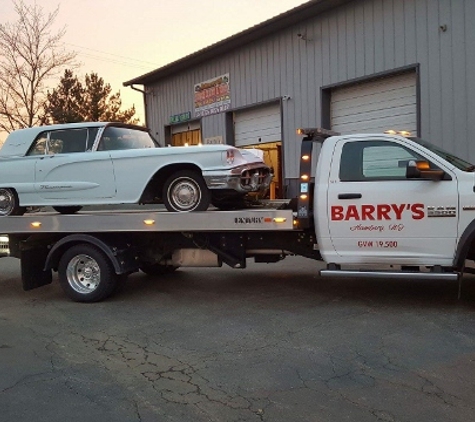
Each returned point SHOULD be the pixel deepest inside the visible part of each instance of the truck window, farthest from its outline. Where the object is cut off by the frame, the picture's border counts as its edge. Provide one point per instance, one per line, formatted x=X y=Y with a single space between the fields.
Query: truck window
x=375 y=160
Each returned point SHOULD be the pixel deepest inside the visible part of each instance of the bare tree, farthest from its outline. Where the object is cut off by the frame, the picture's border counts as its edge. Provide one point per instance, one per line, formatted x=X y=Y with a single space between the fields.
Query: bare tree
x=30 y=54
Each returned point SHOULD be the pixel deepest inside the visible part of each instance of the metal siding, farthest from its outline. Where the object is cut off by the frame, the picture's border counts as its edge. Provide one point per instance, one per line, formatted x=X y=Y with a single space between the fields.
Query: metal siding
x=356 y=40
x=469 y=84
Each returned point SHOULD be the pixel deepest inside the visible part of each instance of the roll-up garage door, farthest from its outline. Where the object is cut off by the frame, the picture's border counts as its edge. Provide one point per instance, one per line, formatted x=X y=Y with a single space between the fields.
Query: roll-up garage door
x=376 y=106
x=258 y=125
x=261 y=128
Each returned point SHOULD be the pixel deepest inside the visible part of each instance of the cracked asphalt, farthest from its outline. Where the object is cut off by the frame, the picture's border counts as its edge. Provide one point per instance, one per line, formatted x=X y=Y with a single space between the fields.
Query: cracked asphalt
x=270 y=343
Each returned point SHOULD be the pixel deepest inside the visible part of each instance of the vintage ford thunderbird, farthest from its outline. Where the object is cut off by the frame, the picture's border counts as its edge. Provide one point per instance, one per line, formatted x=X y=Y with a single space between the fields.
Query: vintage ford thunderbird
x=72 y=165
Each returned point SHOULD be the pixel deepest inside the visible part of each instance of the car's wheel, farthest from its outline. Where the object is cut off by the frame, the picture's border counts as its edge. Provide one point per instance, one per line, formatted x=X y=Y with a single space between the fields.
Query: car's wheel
x=157 y=269
x=86 y=274
x=68 y=210
x=9 y=204
x=186 y=190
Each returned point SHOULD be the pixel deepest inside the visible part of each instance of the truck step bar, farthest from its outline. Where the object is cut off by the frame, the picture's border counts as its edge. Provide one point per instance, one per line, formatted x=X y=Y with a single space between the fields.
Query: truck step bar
x=391 y=275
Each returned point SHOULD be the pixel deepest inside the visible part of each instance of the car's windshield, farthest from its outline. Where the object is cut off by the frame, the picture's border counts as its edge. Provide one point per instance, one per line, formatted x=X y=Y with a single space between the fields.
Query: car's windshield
x=447 y=156
x=117 y=138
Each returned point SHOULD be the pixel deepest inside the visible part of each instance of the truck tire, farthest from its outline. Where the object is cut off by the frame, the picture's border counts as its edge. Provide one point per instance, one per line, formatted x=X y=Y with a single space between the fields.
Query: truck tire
x=9 y=204
x=68 y=209
x=185 y=191
x=157 y=269
x=86 y=274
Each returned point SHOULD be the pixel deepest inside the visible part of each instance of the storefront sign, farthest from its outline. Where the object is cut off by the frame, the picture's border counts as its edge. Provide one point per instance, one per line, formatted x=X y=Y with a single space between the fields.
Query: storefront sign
x=179 y=118
x=212 y=96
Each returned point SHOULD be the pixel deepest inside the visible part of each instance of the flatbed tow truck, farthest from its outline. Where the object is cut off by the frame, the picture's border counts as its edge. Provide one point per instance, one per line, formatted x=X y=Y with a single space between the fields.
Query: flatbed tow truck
x=383 y=206
x=94 y=251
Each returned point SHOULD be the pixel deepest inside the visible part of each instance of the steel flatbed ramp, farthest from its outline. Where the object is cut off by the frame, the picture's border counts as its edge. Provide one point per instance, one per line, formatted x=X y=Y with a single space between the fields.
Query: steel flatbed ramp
x=148 y=221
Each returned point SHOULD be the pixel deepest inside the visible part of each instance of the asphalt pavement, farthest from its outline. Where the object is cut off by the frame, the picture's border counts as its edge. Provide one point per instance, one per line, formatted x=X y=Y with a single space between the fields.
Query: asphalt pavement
x=273 y=343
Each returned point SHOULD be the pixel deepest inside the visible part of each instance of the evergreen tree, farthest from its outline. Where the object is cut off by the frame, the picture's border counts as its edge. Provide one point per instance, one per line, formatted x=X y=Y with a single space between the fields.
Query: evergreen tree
x=92 y=101
x=64 y=103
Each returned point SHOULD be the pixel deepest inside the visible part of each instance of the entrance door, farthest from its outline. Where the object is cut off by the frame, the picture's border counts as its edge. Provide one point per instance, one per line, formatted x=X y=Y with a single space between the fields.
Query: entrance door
x=186 y=134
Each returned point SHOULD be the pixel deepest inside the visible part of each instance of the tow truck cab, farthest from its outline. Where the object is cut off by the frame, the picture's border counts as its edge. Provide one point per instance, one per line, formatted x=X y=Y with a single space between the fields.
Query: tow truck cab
x=388 y=199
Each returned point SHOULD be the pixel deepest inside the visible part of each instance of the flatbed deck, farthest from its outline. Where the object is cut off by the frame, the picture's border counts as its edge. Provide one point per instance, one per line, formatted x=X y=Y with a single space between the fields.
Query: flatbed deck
x=266 y=219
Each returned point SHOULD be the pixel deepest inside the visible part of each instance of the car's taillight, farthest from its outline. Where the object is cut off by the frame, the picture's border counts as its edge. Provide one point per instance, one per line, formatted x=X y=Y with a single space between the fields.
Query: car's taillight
x=230 y=156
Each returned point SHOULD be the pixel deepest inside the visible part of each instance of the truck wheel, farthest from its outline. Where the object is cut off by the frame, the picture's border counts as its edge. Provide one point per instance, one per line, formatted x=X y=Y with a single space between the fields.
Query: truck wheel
x=68 y=209
x=184 y=191
x=9 y=204
x=157 y=269
x=86 y=274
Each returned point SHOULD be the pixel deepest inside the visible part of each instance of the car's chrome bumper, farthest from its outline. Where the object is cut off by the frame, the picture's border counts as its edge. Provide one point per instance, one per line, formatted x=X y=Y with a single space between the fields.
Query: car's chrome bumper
x=242 y=179
x=4 y=246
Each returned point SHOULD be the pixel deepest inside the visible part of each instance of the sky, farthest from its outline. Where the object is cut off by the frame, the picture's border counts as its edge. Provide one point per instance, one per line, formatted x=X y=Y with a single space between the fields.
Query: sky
x=122 y=39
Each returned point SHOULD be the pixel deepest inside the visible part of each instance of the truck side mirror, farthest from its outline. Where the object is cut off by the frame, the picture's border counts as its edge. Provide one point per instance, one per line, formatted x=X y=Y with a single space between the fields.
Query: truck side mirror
x=421 y=170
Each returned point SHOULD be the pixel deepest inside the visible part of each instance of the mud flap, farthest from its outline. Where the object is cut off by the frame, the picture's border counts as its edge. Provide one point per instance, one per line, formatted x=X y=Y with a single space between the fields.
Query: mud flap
x=32 y=268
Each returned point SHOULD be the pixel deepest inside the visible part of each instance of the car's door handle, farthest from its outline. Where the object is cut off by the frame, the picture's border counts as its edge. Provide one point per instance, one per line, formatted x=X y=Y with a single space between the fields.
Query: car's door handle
x=349 y=195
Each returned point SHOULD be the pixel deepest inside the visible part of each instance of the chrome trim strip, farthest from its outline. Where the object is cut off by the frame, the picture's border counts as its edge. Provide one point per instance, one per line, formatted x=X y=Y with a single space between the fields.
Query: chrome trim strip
x=390 y=274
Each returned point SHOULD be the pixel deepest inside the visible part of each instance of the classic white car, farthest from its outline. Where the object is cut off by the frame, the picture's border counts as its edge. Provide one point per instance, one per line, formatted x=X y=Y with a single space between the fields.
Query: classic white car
x=71 y=165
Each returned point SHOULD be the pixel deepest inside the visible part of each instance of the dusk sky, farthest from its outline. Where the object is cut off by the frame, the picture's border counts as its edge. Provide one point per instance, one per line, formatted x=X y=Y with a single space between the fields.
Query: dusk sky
x=121 y=39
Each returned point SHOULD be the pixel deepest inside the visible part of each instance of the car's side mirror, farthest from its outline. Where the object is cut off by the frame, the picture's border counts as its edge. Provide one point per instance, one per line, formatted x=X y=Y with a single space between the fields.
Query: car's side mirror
x=421 y=170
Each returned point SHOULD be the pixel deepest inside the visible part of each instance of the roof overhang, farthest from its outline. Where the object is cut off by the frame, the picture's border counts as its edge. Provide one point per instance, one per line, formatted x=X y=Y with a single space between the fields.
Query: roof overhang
x=266 y=28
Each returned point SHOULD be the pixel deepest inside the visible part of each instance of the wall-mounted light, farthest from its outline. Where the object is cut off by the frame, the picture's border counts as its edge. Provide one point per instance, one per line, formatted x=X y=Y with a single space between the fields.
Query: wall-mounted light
x=303 y=37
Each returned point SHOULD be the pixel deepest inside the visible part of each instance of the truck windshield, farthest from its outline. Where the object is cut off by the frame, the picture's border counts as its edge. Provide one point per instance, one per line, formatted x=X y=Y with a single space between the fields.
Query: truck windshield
x=447 y=156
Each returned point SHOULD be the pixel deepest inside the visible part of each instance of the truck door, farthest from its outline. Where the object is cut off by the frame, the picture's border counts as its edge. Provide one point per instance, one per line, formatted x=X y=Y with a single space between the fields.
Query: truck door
x=377 y=215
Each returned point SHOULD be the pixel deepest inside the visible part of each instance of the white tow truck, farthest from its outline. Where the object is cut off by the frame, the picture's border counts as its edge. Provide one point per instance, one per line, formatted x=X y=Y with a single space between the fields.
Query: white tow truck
x=378 y=205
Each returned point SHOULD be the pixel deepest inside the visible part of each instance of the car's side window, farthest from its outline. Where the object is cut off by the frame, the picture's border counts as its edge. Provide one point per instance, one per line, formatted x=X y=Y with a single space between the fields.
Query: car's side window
x=39 y=145
x=375 y=160
x=64 y=141
x=121 y=138
x=67 y=141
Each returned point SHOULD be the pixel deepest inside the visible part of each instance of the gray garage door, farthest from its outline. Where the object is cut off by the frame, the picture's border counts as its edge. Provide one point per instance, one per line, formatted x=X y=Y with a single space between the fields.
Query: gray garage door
x=258 y=125
x=376 y=106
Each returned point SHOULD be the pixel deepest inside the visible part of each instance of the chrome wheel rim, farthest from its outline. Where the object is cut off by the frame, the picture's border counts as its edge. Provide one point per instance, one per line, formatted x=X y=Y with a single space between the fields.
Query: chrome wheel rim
x=83 y=274
x=184 y=194
x=7 y=202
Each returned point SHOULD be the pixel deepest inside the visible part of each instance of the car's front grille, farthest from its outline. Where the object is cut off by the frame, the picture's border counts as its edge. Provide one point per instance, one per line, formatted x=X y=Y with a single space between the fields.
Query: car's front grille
x=254 y=178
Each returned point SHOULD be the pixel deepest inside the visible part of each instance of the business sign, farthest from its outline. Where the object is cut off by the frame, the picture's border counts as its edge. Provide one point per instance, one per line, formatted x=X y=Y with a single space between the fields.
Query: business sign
x=179 y=118
x=212 y=96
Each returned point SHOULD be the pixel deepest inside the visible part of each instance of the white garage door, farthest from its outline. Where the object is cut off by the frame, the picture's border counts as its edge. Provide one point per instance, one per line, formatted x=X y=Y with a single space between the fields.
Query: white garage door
x=257 y=126
x=376 y=106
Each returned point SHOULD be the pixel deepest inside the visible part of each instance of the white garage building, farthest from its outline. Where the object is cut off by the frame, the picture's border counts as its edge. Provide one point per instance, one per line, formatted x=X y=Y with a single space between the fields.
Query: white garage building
x=352 y=66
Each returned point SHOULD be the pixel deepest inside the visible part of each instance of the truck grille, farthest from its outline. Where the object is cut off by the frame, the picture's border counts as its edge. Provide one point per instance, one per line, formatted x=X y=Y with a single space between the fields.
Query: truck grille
x=255 y=179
